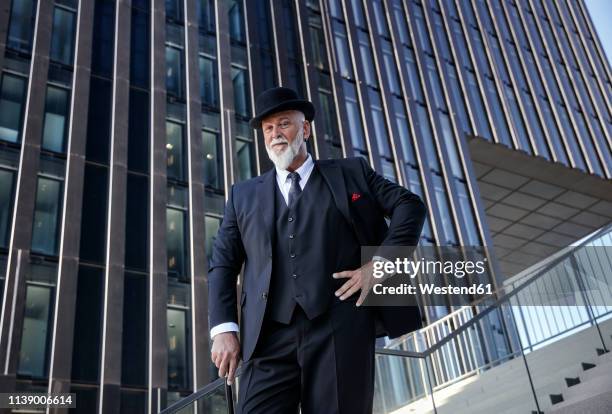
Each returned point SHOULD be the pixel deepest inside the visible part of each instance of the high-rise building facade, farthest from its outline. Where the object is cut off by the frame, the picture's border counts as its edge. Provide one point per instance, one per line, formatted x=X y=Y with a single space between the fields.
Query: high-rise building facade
x=124 y=123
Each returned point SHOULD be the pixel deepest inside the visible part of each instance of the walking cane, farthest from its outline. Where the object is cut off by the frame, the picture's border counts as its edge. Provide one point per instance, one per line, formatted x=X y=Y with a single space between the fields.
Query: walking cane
x=229 y=397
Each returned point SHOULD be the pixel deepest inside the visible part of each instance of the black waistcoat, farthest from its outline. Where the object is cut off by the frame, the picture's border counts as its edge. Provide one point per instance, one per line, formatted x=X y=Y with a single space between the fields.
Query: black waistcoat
x=313 y=240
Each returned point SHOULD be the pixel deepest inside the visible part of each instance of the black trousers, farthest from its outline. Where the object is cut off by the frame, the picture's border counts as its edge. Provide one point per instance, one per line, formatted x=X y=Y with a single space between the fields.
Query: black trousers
x=324 y=365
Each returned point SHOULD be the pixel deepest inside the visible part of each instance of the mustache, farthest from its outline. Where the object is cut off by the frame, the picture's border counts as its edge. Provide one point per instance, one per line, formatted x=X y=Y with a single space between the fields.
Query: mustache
x=279 y=140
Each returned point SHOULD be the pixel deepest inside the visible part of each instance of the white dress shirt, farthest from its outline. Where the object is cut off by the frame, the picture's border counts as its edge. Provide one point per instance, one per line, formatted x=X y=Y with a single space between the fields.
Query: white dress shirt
x=284 y=184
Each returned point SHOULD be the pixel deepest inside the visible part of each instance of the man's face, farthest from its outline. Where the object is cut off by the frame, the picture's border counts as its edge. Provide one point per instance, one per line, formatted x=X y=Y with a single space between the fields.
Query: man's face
x=284 y=136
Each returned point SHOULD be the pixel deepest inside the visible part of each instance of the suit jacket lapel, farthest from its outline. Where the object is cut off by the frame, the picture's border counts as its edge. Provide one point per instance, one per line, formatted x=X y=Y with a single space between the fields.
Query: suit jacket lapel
x=333 y=176
x=265 y=202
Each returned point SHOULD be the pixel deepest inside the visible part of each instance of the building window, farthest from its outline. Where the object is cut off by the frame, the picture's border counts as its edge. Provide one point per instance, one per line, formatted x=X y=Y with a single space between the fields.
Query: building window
x=178 y=359
x=428 y=138
x=213 y=160
x=175 y=151
x=390 y=67
x=93 y=218
x=88 y=325
x=46 y=216
x=342 y=52
x=33 y=354
x=56 y=111
x=209 y=93
x=21 y=25
x=467 y=215
x=99 y=120
x=62 y=38
x=450 y=236
x=176 y=242
x=236 y=21
x=12 y=93
x=139 y=52
x=402 y=124
x=239 y=81
x=174 y=10
x=244 y=154
x=211 y=225
x=134 y=338
x=138 y=131
x=206 y=15
x=174 y=72
x=354 y=118
x=103 y=38
x=379 y=18
x=367 y=61
x=380 y=129
x=7 y=179
x=137 y=222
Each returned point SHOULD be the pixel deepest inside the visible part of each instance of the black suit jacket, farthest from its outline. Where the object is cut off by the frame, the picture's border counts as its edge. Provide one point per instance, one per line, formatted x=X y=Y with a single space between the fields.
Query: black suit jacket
x=245 y=237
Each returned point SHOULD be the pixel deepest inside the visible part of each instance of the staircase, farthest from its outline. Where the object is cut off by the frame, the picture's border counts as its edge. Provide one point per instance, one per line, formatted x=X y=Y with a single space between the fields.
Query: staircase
x=590 y=391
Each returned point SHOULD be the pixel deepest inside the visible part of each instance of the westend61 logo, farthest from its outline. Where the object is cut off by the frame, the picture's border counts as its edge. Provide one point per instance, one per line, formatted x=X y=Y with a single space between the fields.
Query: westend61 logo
x=405 y=266
x=400 y=274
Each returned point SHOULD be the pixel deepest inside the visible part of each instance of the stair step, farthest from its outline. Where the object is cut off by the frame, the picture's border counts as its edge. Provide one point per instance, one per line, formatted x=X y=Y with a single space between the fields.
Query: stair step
x=556 y=398
x=572 y=381
x=587 y=365
x=601 y=351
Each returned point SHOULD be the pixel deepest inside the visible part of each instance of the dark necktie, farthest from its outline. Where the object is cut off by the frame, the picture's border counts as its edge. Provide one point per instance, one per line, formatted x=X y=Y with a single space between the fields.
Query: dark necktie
x=295 y=188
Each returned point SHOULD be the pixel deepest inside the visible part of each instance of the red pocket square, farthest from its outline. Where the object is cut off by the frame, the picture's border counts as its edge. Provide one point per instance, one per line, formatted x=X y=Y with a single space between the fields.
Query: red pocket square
x=355 y=197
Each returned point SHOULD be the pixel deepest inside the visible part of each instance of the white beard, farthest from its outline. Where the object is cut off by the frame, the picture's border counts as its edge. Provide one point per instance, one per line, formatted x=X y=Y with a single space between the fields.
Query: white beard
x=283 y=160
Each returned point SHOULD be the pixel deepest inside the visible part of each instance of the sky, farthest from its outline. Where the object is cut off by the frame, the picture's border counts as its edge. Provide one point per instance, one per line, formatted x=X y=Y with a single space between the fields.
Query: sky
x=601 y=14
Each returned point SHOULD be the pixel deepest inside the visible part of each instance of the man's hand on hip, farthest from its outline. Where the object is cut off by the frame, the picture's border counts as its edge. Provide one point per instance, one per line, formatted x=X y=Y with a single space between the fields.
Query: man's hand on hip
x=359 y=279
x=225 y=354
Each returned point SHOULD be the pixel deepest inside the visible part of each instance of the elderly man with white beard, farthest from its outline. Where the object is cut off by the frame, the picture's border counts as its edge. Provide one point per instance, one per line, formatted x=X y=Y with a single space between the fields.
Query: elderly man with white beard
x=305 y=341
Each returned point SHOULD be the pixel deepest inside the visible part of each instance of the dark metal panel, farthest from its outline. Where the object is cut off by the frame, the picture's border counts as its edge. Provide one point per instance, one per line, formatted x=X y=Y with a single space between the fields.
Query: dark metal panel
x=199 y=291
x=158 y=279
x=60 y=365
x=25 y=193
x=112 y=317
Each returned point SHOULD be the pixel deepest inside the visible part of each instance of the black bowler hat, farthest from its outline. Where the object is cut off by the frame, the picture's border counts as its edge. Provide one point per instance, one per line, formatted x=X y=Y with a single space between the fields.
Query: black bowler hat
x=277 y=100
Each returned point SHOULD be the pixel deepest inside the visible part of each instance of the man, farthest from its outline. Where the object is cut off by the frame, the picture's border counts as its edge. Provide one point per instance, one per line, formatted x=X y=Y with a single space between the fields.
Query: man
x=298 y=229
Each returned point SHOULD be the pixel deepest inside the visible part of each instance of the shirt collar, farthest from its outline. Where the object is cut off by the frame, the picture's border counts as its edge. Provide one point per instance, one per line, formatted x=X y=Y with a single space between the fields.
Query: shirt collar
x=302 y=171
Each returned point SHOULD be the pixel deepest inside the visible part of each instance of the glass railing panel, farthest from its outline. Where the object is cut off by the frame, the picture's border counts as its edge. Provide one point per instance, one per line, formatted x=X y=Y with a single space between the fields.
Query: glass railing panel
x=499 y=384
x=401 y=383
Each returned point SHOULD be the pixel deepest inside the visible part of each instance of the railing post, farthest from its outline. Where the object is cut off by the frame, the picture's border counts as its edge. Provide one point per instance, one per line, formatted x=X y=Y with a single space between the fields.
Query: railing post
x=533 y=391
x=433 y=401
x=582 y=288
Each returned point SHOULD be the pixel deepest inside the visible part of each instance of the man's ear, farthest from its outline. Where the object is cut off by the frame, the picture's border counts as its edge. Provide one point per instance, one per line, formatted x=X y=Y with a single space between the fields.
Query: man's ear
x=307 y=130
